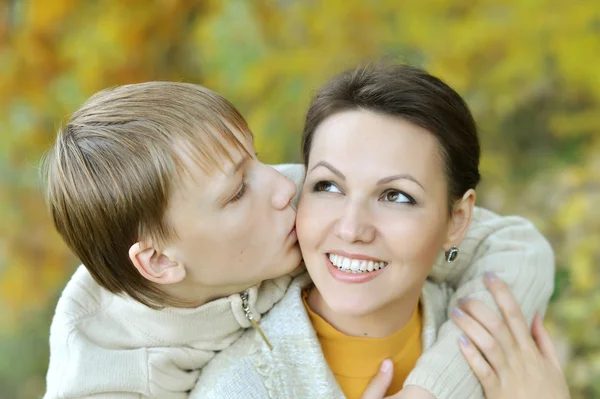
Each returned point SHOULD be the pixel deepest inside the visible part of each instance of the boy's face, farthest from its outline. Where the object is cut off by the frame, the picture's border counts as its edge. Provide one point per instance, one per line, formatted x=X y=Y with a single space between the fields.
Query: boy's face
x=234 y=227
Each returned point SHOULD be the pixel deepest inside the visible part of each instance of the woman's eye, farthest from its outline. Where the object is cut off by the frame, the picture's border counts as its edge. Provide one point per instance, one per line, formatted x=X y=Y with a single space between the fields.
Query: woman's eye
x=397 y=197
x=326 y=187
x=239 y=194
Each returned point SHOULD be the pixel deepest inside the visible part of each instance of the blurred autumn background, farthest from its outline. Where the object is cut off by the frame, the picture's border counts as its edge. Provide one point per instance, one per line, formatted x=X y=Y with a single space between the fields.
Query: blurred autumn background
x=530 y=70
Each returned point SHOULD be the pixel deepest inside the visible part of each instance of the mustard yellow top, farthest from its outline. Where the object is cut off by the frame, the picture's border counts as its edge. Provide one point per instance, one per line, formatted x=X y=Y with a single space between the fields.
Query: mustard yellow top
x=355 y=360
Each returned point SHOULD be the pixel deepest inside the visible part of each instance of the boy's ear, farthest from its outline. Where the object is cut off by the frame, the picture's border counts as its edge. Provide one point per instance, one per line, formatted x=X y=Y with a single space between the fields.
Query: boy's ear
x=461 y=220
x=156 y=266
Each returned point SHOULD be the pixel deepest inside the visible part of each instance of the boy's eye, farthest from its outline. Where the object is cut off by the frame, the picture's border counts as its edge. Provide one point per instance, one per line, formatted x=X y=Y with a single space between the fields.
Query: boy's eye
x=397 y=196
x=239 y=194
x=326 y=186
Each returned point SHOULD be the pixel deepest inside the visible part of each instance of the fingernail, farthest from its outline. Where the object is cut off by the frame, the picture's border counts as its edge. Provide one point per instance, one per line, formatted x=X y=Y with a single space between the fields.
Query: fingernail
x=491 y=276
x=463 y=300
x=386 y=365
x=457 y=312
x=464 y=340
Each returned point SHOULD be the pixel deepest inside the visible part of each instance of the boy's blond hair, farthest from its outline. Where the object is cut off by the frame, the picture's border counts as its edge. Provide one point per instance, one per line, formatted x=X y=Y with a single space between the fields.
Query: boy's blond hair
x=113 y=166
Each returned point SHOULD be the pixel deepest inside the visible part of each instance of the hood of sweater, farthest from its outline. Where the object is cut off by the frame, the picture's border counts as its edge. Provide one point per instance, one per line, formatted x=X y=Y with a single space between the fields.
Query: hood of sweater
x=107 y=317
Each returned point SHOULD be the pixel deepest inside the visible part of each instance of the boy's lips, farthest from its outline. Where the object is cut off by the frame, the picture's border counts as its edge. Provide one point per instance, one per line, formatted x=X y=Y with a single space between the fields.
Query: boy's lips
x=292 y=235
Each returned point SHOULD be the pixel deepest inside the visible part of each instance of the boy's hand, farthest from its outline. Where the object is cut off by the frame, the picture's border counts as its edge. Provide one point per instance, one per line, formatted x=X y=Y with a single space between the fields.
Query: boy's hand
x=510 y=360
x=379 y=385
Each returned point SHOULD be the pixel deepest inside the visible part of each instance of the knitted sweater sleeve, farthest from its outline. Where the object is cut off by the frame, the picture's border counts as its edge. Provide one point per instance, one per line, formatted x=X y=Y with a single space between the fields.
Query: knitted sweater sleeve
x=80 y=368
x=513 y=249
x=83 y=366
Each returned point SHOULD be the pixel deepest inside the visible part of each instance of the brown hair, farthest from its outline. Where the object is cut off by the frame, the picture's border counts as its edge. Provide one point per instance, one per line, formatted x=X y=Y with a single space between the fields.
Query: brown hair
x=414 y=95
x=112 y=168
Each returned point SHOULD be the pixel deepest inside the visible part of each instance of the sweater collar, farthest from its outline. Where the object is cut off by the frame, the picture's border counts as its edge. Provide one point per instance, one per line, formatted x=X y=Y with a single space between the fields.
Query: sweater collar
x=216 y=321
x=296 y=345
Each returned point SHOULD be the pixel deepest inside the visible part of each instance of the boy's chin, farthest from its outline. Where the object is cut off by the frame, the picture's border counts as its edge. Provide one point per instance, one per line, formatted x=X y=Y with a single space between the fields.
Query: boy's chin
x=287 y=266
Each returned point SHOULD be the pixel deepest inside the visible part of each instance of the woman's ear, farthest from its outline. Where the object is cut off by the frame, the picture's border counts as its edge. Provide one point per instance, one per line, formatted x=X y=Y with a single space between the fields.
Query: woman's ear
x=156 y=266
x=460 y=220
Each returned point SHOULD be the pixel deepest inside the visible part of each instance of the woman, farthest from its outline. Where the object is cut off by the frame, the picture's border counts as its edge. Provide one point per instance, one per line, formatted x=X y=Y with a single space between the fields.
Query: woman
x=385 y=183
x=392 y=163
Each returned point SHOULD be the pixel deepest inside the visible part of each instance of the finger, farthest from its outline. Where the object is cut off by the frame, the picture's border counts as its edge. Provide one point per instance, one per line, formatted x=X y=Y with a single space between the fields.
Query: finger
x=510 y=309
x=544 y=341
x=487 y=345
x=380 y=383
x=481 y=368
x=491 y=322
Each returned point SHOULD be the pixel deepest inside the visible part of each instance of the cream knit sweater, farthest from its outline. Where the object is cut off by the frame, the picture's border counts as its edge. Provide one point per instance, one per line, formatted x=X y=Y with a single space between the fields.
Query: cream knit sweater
x=108 y=346
x=296 y=367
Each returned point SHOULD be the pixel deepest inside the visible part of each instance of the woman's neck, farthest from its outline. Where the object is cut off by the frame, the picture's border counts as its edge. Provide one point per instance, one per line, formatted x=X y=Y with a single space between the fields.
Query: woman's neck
x=378 y=324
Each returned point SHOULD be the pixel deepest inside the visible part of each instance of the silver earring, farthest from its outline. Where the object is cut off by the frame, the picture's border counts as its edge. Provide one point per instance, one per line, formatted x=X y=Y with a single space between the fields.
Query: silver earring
x=451 y=255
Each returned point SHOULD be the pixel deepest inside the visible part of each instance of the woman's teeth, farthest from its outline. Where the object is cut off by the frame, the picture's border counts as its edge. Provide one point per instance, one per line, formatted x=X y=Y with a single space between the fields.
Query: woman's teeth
x=354 y=265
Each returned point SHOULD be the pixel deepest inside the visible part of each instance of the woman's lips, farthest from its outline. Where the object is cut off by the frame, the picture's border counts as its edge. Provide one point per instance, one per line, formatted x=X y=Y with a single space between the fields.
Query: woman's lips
x=351 y=278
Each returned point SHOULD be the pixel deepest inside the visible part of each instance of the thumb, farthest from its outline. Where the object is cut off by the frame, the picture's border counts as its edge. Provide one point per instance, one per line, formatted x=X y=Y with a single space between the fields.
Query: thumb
x=544 y=341
x=380 y=383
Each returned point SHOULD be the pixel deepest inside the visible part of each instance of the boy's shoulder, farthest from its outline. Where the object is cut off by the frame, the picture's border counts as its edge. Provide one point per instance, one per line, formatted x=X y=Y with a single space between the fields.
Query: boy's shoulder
x=488 y=220
x=492 y=232
x=82 y=297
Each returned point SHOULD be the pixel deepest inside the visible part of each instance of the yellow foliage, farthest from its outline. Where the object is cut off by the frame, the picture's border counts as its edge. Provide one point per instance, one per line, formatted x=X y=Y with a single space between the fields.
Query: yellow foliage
x=528 y=69
x=573 y=212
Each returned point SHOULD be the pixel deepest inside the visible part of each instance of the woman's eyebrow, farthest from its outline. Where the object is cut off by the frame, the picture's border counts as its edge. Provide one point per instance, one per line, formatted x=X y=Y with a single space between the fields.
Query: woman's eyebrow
x=381 y=181
x=330 y=167
x=399 y=177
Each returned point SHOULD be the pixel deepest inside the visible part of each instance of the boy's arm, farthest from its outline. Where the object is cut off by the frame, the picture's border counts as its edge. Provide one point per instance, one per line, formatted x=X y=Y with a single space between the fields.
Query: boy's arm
x=513 y=249
x=88 y=359
x=80 y=368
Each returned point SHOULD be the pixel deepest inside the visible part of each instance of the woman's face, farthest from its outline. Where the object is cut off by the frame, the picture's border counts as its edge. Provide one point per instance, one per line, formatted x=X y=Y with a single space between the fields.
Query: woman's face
x=373 y=214
x=235 y=227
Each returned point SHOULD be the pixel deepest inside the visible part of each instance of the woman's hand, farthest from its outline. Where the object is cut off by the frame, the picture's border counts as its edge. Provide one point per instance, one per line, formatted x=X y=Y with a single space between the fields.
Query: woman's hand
x=509 y=360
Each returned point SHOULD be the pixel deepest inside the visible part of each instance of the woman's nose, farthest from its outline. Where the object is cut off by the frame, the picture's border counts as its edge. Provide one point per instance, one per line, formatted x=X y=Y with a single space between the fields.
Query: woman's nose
x=354 y=225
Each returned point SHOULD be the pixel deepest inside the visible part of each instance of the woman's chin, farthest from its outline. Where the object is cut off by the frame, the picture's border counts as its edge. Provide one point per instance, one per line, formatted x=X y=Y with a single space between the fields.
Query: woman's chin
x=354 y=306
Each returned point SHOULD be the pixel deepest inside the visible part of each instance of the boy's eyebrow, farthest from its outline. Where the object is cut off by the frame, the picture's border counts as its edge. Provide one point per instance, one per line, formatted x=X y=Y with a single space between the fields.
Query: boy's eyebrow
x=239 y=165
x=225 y=193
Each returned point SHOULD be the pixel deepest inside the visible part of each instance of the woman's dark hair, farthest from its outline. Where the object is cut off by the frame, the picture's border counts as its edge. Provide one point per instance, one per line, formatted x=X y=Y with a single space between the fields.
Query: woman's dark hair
x=411 y=94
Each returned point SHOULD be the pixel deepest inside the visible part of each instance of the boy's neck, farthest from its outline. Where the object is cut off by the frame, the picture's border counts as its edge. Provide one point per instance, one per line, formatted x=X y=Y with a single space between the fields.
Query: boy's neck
x=192 y=295
x=379 y=324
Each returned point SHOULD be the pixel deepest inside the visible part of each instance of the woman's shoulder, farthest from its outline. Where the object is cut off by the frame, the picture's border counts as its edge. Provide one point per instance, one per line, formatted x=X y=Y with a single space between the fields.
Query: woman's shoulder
x=231 y=373
x=245 y=369
x=295 y=366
